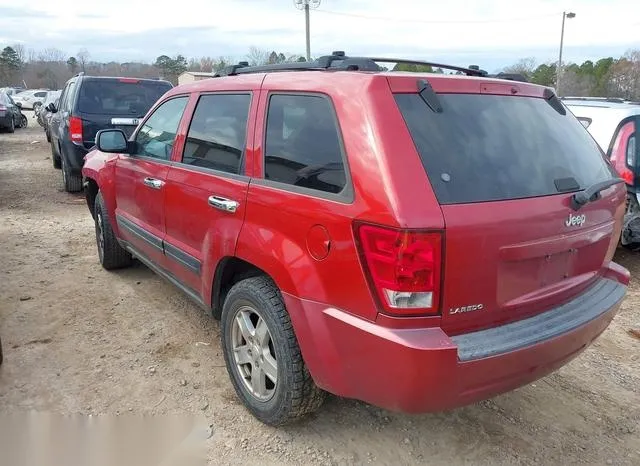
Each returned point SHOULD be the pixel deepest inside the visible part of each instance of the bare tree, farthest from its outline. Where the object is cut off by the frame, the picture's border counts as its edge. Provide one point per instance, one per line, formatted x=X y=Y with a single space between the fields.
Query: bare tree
x=257 y=56
x=525 y=67
x=52 y=54
x=83 y=57
x=21 y=52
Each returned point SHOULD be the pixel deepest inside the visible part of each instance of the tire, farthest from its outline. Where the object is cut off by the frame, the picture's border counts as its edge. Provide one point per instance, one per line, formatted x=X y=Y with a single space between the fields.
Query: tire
x=294 y=394
x=46 y=133
x=110 y=253
x=24 y=122
x=57 y=163
x=72 y=183
x=12 y=126
x=0 y=351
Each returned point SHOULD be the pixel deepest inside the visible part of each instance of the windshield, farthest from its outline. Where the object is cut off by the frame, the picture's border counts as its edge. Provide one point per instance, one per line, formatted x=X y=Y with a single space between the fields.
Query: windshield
x=488 y=147
x=116 y=97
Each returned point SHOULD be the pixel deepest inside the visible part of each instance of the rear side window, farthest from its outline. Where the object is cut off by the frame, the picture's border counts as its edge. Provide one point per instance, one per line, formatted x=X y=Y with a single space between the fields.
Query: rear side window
x=488 y=147
x=119 y=97
x=303 y=144
x=217 y=133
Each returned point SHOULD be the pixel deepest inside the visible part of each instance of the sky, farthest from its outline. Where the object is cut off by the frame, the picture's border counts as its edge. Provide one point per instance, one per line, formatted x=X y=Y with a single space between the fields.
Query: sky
x=491 y=34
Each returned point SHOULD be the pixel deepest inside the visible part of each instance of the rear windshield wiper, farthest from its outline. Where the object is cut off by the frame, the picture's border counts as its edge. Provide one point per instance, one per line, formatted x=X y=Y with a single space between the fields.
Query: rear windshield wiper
x=591 y=193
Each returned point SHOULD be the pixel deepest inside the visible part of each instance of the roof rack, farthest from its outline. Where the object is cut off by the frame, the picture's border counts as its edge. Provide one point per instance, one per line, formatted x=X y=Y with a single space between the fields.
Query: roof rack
x=339 y=61
x=615 y=100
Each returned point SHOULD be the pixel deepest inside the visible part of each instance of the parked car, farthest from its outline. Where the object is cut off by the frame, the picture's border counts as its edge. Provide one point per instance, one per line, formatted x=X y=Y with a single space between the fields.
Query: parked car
x=416 y=241
x=11 y=90
x=30 y=98
x=614 y=124
x=10 y=115
x=89 y=104
x=43 y=113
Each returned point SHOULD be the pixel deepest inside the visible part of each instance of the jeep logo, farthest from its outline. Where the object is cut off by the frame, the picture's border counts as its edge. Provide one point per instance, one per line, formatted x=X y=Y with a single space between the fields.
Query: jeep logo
x=470 y=308
x=575 y=220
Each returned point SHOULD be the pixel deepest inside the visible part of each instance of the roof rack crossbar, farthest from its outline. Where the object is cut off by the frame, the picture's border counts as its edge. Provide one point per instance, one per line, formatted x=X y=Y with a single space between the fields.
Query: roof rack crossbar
x=339 y=61
x=467 y=71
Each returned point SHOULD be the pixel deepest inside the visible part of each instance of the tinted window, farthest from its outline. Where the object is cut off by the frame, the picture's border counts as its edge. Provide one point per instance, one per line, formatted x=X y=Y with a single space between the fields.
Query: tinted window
x=69 y=94
x=217 y=134
x=156 y=137
x=119 y=97
x=487 y=147
x=303 y=144
x=40 y=94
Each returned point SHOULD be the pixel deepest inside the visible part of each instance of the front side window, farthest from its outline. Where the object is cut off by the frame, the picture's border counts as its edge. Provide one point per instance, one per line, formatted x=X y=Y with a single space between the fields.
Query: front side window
x=302 y=145
x=217 y=134
x=157 y=135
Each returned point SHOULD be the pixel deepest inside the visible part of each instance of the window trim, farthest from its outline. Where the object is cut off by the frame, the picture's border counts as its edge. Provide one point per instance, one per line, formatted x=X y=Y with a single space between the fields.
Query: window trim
x=151 y=112
x=346 y=196
x=212 y=171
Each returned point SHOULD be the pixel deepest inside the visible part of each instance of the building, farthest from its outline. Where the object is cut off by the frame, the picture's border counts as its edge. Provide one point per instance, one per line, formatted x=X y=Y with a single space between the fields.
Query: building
x=191 y=76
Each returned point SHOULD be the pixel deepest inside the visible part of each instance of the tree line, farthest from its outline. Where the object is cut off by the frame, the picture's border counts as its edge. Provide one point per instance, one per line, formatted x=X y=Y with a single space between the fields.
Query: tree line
x=607 y=77
x=51 y=68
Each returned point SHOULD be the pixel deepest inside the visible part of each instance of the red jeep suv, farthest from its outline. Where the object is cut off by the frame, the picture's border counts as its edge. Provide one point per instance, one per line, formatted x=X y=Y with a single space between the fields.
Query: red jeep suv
x=418 y=241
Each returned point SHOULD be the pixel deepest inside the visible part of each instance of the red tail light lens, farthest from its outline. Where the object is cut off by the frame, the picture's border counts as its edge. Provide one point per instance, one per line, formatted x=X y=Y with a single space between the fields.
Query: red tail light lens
x=75 y=129
x=129 y=80
x=404 y=268
x=3 y=108
x=623 y=153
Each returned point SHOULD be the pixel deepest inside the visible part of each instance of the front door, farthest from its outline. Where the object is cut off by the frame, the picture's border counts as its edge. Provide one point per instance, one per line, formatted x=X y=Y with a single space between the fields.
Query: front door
x=140 y=180
x=206 y=190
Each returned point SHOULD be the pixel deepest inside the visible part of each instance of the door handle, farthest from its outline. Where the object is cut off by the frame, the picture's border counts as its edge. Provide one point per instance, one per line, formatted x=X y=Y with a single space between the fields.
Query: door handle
x=153 y=183
x=221 y=203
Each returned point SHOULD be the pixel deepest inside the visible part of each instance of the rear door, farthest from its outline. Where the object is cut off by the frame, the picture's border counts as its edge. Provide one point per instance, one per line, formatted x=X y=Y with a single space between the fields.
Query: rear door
x=140 y=180
x=206 y=190
x=119 y=103
x=504 y=169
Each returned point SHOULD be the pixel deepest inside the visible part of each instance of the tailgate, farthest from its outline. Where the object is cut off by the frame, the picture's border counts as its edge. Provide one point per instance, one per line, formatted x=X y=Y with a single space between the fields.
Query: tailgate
x=504 y=169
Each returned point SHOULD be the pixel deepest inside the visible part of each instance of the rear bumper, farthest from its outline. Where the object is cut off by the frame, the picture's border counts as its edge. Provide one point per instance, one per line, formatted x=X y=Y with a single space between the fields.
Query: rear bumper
x=75 y=156
x=5 y=120
x=422 y=370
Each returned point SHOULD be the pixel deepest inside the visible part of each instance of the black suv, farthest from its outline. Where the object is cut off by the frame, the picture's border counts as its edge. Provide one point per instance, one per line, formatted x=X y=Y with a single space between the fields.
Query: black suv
x=88 y=104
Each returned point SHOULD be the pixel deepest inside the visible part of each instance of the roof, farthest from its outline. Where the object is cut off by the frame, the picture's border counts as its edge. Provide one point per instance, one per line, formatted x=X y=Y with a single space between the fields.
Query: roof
x=605 y=117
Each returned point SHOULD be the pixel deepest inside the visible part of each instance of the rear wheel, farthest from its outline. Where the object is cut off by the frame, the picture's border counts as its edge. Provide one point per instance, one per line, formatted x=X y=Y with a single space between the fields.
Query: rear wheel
x=262 y=354
x=12 y=126
x=72 y=182
x=57 y=163
x=111 y=254
x=24 y=122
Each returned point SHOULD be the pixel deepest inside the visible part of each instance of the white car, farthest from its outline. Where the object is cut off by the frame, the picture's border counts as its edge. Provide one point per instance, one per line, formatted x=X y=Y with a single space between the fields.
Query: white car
x=614 y=123
x=30 y=98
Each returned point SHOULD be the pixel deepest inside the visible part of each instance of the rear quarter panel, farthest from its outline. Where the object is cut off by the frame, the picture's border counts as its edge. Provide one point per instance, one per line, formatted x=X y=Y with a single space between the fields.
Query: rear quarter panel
x=389 y=187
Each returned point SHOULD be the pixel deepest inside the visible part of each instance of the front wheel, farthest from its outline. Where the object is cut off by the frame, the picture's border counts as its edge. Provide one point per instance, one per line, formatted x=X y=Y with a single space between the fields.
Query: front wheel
x=262 y=354
x=111 y=254
x=24 y=122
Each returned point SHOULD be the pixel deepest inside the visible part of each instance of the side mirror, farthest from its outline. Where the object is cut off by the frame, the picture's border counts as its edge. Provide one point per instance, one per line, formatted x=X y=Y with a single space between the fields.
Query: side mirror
x=51 y=108
x=19 y=104
x=112 y=140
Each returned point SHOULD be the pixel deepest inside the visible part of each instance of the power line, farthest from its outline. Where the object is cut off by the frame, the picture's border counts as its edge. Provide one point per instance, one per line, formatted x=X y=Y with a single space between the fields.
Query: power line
x=446 y=21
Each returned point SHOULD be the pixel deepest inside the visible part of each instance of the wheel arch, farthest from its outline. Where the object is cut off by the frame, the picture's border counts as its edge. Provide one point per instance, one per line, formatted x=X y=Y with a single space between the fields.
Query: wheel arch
x=229 y=271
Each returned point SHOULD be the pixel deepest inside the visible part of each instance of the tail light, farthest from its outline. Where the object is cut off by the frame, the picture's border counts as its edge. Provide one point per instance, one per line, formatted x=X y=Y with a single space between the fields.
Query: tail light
x=3 y=108
x=403 y=268
x=623 y=153
x=75 y=129
x=129 y=80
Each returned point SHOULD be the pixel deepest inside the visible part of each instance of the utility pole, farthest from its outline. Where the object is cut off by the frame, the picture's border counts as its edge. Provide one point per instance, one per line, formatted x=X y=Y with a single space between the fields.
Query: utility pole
x=306 y=5
x=559 y=67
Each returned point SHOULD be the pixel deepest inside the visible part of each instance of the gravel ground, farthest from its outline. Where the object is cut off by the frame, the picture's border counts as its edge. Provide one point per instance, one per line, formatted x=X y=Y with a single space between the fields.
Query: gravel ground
x=80 y=340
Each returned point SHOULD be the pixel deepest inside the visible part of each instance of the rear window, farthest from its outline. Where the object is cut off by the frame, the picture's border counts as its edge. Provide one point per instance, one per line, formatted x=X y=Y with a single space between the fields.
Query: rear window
x=115 y=97
x=489 y=148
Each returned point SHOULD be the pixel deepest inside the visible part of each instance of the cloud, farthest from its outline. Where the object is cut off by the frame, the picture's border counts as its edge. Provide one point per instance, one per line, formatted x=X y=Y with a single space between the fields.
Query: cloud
x=491 y=33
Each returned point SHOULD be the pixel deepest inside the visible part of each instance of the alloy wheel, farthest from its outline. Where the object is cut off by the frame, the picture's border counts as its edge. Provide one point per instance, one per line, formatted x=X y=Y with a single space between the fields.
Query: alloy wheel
x=254 y=354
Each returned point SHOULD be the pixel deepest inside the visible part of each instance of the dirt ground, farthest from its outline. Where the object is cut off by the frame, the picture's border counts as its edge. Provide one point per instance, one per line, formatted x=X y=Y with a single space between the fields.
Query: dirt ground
x=78 y=339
